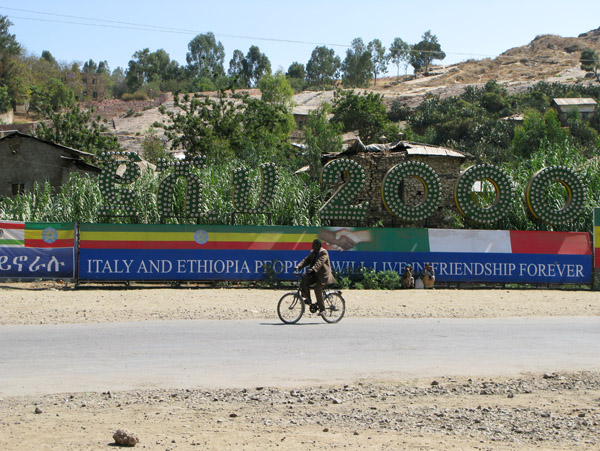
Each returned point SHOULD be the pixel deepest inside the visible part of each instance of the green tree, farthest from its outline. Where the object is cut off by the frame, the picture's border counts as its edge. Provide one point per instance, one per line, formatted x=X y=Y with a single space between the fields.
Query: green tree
x=51 y=96
x=296 y=70
x=202 y=125
x=103 y=68
x=276 y=89
x=150 y=67
x=357 y=66
x=77 y=129
x=236 y=68
x=590 y=62
x=89 y=67
x=582 y=135
x=296 y=75
x=5 y=102
x=423 y=53
x=323 y=67
x=321 y=137
x=254 y=66
x=118 y=82
x=154 y=148
x=41 y=70
x=73 y=79
x=364 y=113
x=266 y=128
x=537 y=131
x=13 y=72
x=230 y=125
x=400 y=54
x=379 y=58
x=47 y=56
x=8 y=42
x=16 y=76
x=206 y=56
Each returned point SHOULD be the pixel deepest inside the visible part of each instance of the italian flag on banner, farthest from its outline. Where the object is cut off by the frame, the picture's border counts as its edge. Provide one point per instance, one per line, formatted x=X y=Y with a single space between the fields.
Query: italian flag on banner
x=12 y=234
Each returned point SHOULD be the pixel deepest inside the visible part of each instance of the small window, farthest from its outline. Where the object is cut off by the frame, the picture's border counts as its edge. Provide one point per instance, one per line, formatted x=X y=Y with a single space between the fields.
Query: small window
x=95 y=95
x=18 y=189
x=94 y=81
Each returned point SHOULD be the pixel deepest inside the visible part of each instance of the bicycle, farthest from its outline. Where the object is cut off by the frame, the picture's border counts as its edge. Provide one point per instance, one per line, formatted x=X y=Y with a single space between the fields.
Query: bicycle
x=291 y=306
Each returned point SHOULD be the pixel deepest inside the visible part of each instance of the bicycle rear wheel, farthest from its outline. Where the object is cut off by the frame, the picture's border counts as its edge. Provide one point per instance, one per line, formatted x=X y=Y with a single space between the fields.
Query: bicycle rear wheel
x=290 y=308
x=335 y=307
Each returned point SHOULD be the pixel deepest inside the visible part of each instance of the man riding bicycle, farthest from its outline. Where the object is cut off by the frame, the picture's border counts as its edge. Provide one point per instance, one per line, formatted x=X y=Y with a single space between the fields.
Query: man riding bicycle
x=319 y=273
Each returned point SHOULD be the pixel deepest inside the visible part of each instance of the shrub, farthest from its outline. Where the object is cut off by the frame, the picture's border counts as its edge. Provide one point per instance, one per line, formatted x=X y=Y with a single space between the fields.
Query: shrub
x=138 y=95
x=362 y=278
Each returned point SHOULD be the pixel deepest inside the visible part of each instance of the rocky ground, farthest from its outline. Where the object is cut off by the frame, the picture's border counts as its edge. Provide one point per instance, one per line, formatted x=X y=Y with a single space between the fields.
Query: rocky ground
x=533 y=411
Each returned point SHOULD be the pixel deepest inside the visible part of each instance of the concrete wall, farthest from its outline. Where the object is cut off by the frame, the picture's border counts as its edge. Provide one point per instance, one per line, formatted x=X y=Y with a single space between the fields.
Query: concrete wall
x=26 y=160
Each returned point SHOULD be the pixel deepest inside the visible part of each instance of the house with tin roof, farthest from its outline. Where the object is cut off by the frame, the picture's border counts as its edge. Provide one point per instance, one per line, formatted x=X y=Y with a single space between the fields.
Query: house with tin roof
x=25 y=160
x=585 y=107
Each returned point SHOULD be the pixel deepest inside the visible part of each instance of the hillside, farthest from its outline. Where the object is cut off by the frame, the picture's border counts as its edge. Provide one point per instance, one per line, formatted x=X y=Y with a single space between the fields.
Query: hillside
x=548 y=58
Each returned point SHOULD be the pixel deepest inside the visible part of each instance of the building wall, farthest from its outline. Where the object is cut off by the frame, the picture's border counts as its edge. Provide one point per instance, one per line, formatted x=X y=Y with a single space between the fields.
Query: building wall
x=376 y=165
x=94 y=87
x=24 y=161
x=585 y=111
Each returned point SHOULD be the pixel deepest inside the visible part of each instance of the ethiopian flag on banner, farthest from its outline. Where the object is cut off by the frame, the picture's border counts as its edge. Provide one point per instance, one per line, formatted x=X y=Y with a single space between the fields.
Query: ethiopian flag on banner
x=43 y=234
x=161 y=236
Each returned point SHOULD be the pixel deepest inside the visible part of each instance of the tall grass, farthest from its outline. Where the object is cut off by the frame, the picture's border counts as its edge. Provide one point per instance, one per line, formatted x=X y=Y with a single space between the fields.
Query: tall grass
x=519 y=217
x=77 y=201
x=296 y=203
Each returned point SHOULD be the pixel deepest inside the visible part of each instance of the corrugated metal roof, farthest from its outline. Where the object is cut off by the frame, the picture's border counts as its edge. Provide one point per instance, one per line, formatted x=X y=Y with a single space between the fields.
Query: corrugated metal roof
x=68 y=149
x=575 y=101
x=424 y=149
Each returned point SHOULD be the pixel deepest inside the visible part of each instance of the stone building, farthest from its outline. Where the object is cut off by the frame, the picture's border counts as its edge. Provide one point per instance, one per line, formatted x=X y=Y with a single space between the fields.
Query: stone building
x=26 y=159
x=94 y=86
x=378 y=159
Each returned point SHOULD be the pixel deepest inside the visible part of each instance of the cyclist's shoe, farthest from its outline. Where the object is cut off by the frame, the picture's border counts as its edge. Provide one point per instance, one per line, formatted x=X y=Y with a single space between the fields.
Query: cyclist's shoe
x=323 y=313
x=307 y=301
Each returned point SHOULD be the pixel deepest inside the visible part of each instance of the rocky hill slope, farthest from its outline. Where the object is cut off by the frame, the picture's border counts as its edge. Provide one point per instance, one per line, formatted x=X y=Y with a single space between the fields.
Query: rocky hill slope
x=548 y=58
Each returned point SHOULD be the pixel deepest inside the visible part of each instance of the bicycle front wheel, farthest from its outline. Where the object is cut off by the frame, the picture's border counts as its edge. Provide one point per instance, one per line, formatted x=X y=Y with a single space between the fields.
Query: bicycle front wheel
x=290 y=308
x=335 y=307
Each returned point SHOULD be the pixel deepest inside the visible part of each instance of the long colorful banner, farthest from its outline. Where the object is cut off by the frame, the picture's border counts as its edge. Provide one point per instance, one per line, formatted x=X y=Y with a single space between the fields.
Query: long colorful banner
x=190 y=252
x=37 y=250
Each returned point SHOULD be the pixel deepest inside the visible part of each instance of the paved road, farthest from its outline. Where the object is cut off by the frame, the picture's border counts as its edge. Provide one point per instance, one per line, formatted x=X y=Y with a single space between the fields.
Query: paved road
x=188 y=354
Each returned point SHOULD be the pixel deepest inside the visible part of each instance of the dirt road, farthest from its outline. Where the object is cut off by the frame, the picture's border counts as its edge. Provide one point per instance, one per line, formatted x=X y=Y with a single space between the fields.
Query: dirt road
x=532 y=411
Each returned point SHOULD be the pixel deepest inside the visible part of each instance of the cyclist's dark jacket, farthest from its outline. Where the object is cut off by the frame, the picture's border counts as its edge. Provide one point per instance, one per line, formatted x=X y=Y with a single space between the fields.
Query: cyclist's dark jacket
x=320 y=265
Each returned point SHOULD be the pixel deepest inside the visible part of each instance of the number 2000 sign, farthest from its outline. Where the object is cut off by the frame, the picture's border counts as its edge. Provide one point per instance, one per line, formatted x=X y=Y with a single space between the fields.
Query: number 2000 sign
x=347 y=178
x=352 y=176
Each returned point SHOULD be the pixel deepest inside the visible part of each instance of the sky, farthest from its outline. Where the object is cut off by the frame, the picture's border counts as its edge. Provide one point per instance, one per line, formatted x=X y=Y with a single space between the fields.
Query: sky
x=287 y=31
